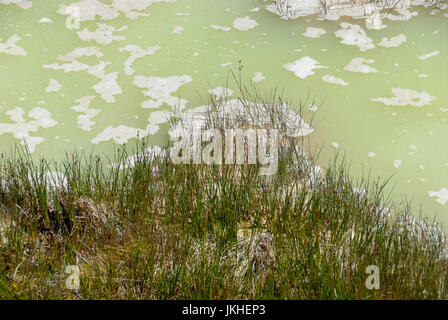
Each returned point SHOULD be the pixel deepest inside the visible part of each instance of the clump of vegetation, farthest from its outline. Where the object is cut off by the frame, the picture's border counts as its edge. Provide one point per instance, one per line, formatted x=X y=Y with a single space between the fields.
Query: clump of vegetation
x=150 y=229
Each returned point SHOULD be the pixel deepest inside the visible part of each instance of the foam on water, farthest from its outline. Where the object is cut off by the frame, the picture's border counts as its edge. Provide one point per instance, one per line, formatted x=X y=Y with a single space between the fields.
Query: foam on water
x=84 y=120
x=314 y=32
x=107 y=87
x=90 y=9
x=303 y=67
x=244 y=24
x=442 y=195
x=220 y=92
x=102 y=35
x=393 y=42
x=397 y=163
x=404 y=97
x=214 y=26
x=53 y=86
x=160 y=90
x=45 y=20
x=10 y=47
x=429 y=55
x=136 y=53
x=20 y=3
x=21 y=128
x=177 y=30
x=359 y=65
x=332 y=79
x=81 y=52
x=354 y=35
x=258 y=76
x=121 y=134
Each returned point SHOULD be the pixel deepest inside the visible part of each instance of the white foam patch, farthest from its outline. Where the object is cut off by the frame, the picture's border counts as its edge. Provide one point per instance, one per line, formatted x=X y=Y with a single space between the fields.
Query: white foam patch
x=404 y=97
x=45 y=20
x=314 y=32
x=332 y=79
x=159 y=117
x=371 y=154
x=354 y=35
x=220 y=92
x=121 y=134
x=131 y=8
x=160 y=90
x=90 y=9
x=136 y=53
x=74 y=66
x=304 y=67
x=53 y=86
x=84 y=120
x=244 y=24
x=397 y=163
x=441 y=195
x=10 y=47
x=107 y=87
x=392 y=42
x=312 y=107
x=429 y=55
x=104 y=34
x=216 y=27
x=177 y=30
x=359 y=65
x=21 y=128
x=81 y=52
x=258 y=76
x=404 y=15
x=20 y=3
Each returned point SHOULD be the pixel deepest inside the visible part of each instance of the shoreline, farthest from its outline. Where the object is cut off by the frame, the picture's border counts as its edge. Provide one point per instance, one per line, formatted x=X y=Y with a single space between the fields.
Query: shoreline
x=333 y=10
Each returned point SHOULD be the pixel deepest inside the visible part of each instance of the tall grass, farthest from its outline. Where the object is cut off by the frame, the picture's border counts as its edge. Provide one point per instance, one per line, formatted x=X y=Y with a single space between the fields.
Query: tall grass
x=154 y=230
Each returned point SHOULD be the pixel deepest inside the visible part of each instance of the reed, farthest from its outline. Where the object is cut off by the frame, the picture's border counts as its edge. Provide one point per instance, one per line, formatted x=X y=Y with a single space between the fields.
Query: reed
x=149 y=229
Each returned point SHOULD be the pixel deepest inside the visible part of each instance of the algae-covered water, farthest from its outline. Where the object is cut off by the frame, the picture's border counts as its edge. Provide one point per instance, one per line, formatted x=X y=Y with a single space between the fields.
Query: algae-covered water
x=378 y=96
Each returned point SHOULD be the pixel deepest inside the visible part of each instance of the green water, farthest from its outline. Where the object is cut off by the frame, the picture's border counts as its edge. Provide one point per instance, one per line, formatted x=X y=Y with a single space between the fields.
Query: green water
x=346 y=114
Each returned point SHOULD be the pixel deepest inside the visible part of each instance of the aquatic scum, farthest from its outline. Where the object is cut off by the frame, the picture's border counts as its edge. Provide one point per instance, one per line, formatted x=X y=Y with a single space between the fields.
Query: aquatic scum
x=101 y=28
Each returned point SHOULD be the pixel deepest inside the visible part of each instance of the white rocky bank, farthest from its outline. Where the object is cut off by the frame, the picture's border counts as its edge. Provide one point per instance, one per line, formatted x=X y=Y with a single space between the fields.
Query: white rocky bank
x=334 y=9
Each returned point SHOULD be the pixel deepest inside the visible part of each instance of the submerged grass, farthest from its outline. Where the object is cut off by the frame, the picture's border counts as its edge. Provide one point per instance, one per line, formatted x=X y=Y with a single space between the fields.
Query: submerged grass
x=155 y=230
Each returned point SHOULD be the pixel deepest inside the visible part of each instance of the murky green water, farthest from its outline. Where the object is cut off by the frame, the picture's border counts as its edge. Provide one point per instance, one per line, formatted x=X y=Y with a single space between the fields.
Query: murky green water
x=406 y=139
